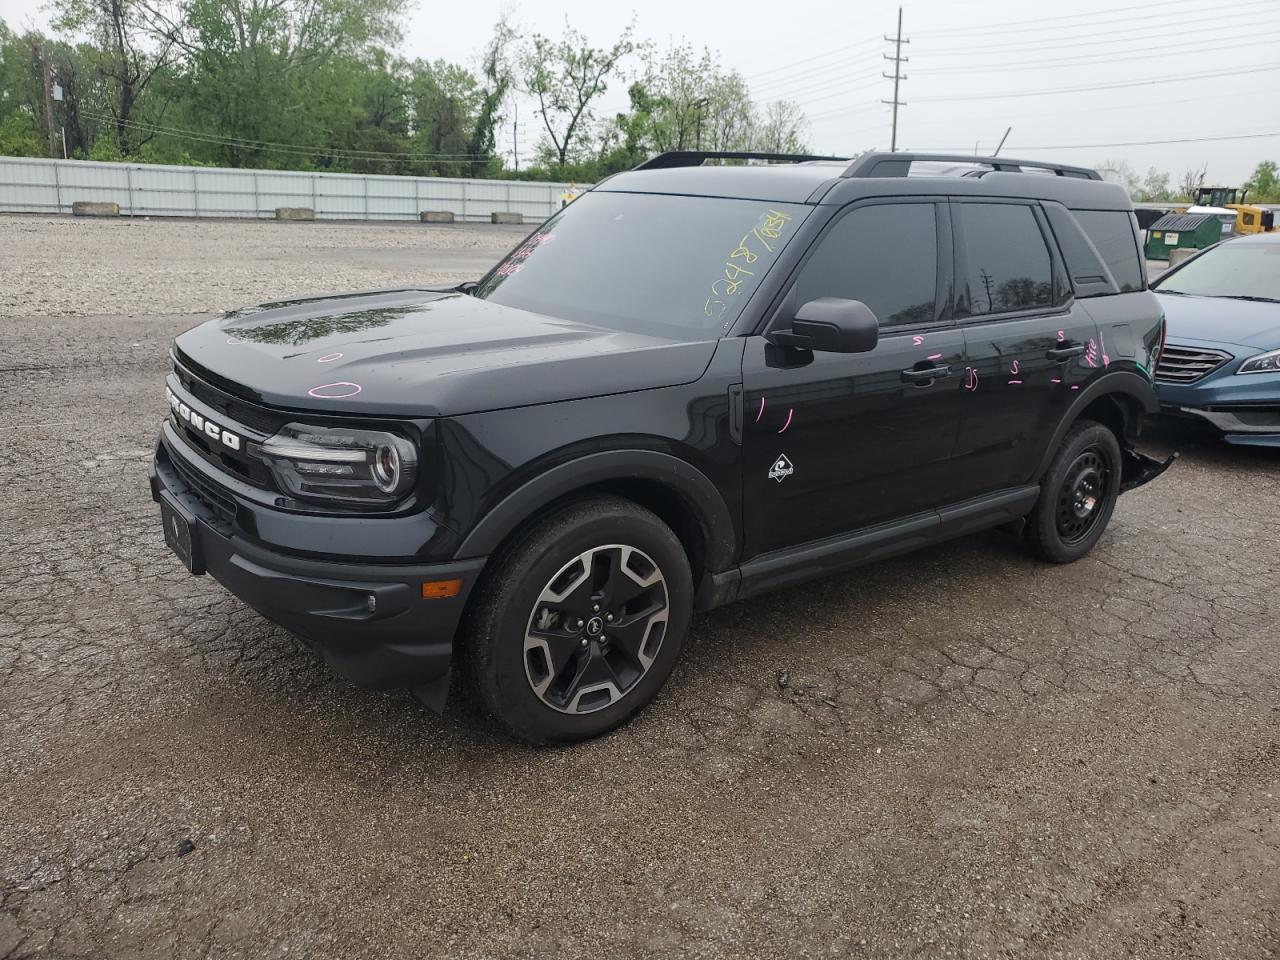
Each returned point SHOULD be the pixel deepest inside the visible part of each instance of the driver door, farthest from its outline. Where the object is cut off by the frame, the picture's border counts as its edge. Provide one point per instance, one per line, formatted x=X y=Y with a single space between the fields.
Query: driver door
x=834 y=442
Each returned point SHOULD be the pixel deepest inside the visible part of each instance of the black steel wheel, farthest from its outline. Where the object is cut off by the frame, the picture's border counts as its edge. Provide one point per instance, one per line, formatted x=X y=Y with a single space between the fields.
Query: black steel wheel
x=579 y=620
x=1077 y=494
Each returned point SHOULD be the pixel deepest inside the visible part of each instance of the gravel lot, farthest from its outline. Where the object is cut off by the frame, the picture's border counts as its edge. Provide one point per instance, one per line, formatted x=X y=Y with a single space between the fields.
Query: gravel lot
x=958 y=753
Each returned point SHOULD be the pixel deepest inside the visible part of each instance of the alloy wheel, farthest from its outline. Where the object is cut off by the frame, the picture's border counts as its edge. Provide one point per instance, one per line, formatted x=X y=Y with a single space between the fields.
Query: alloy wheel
x=596 y=629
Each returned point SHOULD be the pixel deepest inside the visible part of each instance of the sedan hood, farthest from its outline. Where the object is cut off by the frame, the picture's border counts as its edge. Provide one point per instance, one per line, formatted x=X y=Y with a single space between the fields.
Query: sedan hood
x=1249 y=323
x=426 y=353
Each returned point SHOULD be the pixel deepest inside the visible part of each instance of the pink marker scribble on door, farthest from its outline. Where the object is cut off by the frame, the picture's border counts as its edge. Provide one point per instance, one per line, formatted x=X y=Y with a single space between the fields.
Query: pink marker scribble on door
x=935 y=356
x=1106 y=361
x=1062 y=335
x=790 y=412
x=1055 y=380
x=1091 y=352
x=970 y=379
x=1014 y=370
x=917 y=340
x=760 y=412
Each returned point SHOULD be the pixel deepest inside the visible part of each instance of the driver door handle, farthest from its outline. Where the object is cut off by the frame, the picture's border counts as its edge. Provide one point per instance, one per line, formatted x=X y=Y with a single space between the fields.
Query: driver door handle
x=1065 y=353
x=926 y=374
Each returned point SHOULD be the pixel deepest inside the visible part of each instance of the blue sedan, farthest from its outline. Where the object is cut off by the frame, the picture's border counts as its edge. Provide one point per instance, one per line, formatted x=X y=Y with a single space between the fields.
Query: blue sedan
x=1221 y=358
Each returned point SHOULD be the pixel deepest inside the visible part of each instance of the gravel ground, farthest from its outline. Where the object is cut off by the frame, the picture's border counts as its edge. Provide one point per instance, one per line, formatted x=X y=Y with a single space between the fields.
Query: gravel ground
x=80 y=268
x=961 y=753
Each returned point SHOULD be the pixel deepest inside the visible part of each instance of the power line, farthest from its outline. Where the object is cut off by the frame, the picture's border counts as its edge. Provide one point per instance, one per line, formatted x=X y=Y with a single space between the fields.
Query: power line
x=276 y=147
x=1128 y=143
x=1135 y=36
x=1089 y=60
x=1038 y=25
x=844 y=50
x=1148 y=81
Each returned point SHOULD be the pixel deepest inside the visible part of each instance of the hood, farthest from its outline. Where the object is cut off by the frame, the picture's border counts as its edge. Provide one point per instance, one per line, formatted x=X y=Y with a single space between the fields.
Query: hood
x=1245 y=322
x=426 y=353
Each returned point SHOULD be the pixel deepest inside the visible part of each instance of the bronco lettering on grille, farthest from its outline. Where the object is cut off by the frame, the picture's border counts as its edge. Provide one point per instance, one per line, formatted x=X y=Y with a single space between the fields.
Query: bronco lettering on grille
x=201 y=424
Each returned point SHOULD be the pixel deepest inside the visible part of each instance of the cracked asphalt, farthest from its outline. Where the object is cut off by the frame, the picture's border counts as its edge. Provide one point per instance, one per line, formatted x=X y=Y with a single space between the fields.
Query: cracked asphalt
x=959 y=753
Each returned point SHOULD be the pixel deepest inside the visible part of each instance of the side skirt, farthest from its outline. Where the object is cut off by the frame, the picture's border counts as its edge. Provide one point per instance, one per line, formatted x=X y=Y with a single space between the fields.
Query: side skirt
x=780 y=568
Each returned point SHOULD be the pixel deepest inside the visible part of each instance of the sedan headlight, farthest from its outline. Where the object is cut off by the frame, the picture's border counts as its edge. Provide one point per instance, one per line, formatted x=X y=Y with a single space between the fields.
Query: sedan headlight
x=337 y=465
x=1262 y=363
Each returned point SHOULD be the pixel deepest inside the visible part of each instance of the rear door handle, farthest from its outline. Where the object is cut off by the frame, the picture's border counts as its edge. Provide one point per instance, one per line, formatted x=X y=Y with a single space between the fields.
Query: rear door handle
x=925 y=374
x=1065 y=353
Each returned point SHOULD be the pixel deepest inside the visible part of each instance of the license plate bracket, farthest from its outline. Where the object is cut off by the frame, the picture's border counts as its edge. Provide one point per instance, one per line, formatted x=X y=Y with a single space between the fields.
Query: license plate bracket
x=181 y=534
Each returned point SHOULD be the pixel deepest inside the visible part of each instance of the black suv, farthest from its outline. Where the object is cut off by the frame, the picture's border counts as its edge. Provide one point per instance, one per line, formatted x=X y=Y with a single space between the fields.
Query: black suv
x=695 y=383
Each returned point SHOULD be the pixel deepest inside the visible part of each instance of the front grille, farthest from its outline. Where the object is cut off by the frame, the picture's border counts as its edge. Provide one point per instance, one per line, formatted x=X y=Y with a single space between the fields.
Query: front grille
x=217 y=500
x=1188 y=364
x=232 y=407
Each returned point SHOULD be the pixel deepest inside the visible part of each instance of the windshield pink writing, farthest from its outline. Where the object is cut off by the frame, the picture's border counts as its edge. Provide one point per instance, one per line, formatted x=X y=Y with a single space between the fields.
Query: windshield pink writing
x=515 y=262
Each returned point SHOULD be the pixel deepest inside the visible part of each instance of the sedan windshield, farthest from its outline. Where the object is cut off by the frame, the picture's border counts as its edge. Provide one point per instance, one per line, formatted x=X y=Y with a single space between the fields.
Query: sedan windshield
x=1244 y=270
x=670 y=266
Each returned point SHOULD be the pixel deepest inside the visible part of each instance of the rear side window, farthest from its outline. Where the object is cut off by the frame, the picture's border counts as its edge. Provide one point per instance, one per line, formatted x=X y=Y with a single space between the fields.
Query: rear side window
x=885 y=255
x=1007 y=263
x=1112 y=233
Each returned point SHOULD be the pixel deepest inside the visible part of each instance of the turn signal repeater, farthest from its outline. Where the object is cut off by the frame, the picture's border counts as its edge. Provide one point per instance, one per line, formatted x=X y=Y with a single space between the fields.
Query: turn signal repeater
x=441 y=589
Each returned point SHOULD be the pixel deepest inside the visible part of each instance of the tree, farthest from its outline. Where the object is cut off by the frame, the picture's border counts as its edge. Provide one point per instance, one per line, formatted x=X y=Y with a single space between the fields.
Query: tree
x=1155 y=187
x=567 y=76
x=131 y=43
x=780 y=129
x=498 y=73
x=1119 y=171
x=1264 y=185
x=1192 y=181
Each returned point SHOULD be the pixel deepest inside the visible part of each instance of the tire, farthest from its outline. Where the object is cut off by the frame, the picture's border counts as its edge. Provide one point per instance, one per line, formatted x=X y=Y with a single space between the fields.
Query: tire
x=1077 y=494
x=547 y=666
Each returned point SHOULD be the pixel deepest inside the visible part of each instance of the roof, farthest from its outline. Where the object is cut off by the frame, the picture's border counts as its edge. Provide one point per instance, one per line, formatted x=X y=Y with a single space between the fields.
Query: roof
x=841 y=181
x=1184 y=221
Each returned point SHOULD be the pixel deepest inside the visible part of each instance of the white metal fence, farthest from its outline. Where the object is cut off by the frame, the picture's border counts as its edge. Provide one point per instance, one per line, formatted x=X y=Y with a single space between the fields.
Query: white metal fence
x=30 y=185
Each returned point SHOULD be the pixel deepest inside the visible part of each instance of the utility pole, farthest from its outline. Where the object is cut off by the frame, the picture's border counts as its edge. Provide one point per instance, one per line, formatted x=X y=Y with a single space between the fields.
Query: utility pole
x=898 y=76
x=515 y=134
x=48 y=95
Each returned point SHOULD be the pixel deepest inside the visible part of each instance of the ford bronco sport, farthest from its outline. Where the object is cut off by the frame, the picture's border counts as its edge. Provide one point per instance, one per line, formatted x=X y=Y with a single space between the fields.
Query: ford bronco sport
x=695 y=383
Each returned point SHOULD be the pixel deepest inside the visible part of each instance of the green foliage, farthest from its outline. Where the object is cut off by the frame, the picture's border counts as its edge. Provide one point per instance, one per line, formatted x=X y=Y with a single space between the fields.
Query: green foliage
x=1264 y=185
x=315 y=85
x=1154 y=188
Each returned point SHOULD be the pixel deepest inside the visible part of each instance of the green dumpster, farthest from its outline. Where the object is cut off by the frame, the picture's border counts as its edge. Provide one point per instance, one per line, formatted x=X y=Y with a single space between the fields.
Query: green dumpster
x=1193 y=231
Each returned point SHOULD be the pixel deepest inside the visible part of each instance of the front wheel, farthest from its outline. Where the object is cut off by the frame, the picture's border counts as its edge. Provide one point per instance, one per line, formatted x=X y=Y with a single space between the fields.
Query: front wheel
x=1077 y=495
x=581 y=621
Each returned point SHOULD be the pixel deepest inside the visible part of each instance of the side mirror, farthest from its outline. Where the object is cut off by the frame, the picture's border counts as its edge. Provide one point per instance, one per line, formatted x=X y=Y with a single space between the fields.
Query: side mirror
x=832 y=325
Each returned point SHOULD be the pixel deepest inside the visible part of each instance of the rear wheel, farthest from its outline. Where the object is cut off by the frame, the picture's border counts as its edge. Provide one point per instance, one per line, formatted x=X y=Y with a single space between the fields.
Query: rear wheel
x=1077 y=495
x=581 y=621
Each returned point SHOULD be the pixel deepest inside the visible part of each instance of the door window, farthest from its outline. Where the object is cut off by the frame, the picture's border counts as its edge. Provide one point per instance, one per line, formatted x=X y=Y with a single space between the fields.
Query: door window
x=1007 y=263
x=885 y=255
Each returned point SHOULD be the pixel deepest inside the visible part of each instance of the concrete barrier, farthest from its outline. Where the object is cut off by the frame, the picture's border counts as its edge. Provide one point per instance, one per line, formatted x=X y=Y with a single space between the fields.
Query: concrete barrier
x=436 y=216
x=506 y=217
x=85 y=208
x=1180 y=254
x=295 y=213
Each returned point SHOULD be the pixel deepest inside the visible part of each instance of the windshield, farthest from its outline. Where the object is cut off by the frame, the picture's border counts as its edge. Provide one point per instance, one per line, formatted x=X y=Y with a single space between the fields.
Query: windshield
x=659 y=265
x=1234 y=269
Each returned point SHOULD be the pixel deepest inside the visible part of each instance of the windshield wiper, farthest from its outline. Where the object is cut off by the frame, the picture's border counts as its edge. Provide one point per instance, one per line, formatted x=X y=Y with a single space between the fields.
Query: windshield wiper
x=1252 y=299
x=1172 y=293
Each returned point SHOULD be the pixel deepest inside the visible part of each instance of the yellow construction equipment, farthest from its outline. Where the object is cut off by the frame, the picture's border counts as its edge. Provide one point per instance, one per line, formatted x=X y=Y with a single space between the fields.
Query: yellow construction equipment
x=1236 y=217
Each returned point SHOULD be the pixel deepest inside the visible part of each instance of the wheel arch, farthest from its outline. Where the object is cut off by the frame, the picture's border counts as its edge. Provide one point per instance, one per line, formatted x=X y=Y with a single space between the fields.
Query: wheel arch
x=1119 y=400
x=681 y=495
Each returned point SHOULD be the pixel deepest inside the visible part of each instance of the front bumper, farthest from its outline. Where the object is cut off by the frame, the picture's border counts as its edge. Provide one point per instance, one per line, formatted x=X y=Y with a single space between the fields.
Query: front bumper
x=1245 y=409
x=403 y=641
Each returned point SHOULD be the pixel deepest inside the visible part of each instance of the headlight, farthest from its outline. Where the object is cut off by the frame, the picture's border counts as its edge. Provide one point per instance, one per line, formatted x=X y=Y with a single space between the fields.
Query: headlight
x=1262 y=363
x=337 y=465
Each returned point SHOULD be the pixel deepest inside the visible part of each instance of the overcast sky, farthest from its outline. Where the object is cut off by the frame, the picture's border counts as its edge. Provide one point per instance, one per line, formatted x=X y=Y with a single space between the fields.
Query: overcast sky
x=975 y=68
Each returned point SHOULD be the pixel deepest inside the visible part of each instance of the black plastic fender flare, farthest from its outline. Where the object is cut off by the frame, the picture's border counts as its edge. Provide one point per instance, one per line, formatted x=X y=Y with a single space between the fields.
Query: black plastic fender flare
x=1124 y=382
x=685 y=480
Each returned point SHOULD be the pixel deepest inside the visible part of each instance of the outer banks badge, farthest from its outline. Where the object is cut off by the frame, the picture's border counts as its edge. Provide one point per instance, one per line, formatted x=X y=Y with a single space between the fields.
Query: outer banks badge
x=781 y=468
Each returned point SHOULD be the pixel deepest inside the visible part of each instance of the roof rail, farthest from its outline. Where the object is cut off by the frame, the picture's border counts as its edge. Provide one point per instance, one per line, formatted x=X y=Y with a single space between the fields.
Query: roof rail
x=695 y=158
x=899 y=165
